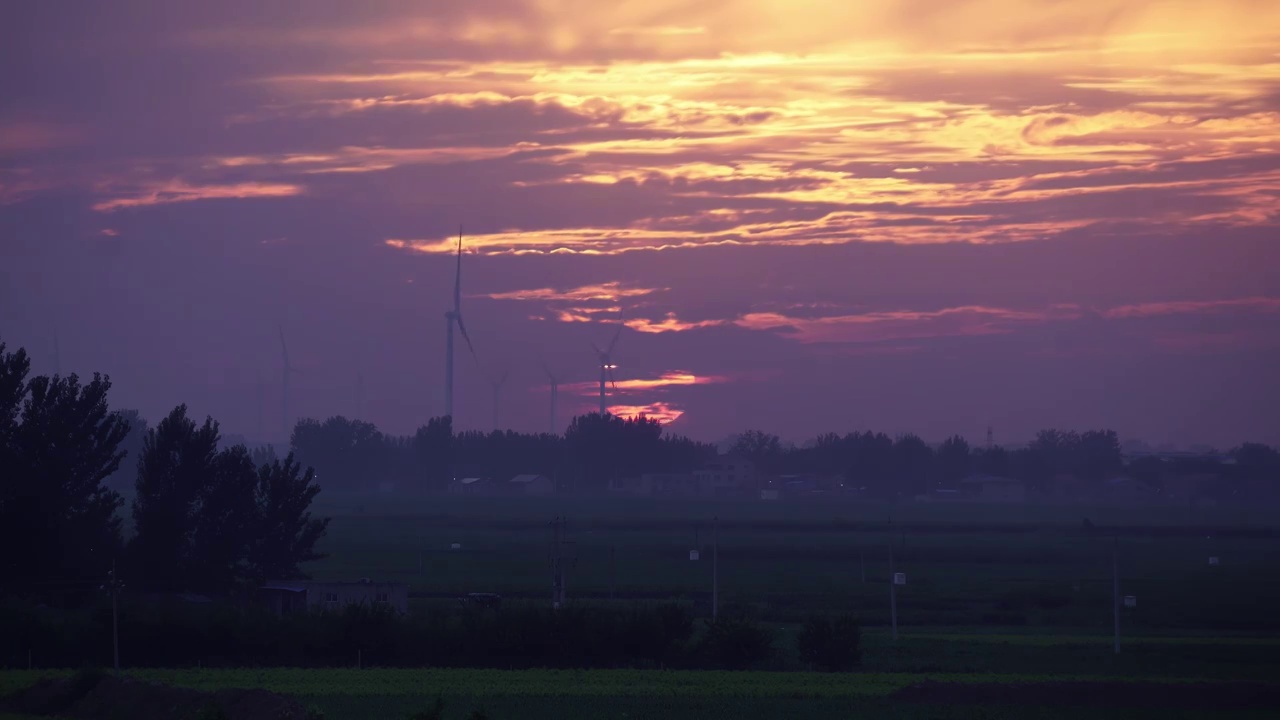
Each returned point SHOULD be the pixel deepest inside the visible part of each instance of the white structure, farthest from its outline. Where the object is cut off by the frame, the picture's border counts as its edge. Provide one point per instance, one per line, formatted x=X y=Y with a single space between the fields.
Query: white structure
x=605 y=358
x=450 y=318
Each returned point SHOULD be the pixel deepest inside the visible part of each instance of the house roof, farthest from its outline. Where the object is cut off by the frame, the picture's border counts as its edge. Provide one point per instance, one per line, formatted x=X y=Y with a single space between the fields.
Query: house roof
x=287 y=587
x=526 y=478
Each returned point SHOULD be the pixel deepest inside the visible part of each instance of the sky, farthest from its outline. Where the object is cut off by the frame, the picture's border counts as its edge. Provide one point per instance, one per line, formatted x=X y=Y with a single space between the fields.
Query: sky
x=798 y=216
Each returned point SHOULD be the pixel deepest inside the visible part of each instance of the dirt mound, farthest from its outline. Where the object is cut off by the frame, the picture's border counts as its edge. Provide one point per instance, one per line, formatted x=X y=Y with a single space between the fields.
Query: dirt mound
x=106 y=697
x=1210 y=696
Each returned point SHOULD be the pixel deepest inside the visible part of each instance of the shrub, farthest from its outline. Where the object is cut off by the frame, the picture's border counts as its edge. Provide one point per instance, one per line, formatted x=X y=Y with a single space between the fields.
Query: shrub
x=831 y=645
x=736 y=643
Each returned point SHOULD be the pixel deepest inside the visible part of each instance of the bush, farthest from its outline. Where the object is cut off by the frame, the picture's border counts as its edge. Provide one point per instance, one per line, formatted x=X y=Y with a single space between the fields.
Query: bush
x=736 y=643
x=831 y=645
x=435 y=712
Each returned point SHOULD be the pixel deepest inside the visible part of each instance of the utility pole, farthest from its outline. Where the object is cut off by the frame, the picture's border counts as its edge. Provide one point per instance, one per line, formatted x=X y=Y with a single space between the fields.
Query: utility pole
x=557 y=578
x=715 y=568
x=115 y=585
x=1115 y=588
x=893 y=591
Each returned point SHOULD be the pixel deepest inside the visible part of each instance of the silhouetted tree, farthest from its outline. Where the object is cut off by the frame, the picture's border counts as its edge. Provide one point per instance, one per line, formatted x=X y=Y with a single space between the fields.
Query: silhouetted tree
x=131 y=447
x=345 y=453
x=433 y=453
x=285 y=534
x=992 y=461
x=177 y=467
x=913 y=465
x=224 y=523
x=872 y=464
x=953 y=460
x=761 y=448
x=57 y=521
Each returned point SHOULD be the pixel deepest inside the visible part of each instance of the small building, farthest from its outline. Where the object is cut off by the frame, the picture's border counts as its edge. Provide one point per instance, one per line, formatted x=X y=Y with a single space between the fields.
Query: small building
x=993 y=488
x=727 y=476
x=290 y=596
x=469 y=486
x=532 y=485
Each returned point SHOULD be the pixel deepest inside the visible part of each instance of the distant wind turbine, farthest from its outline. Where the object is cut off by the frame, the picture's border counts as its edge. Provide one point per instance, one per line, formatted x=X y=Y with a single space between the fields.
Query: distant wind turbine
x=450 y=318
x=555 y=397
x=497 y=391
x=359 y=395
x=607 y=367
x=261 y=399
x=286 y=369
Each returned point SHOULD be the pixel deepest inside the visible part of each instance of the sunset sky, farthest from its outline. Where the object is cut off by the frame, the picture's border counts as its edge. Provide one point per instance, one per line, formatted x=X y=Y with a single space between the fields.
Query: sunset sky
x=899 y=215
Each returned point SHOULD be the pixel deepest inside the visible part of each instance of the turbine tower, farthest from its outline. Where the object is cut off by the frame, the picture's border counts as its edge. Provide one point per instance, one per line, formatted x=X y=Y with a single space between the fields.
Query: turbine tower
x=607 y=367
x=555 y=397
x=286 y=370
x=452 y=317
x=497 y=390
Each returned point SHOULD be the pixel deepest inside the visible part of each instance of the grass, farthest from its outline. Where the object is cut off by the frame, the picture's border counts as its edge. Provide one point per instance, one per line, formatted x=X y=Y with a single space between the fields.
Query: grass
x=969 y=565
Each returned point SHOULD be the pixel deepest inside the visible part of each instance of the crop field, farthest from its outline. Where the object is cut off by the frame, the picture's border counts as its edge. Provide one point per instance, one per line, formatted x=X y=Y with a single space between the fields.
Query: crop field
x=970 y=566
x=997 y=597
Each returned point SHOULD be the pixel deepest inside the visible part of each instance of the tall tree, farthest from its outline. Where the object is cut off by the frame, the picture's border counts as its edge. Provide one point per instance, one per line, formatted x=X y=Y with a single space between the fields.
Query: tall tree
x=285 y=534
x=954 y=460
x=55 y=453
x=177 y=467
x=131 y=447
x=762 y=448
x=346 y=453
x=224 y=524
x=433 y=454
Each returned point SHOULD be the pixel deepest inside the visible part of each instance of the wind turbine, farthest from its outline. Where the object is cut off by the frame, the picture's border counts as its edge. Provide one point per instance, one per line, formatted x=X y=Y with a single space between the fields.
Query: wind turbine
x=261 y=395
x=555 y=397
x=497 y=390
x=359 y=395
x=286 y=369
x=450 y=318
x=607 y=367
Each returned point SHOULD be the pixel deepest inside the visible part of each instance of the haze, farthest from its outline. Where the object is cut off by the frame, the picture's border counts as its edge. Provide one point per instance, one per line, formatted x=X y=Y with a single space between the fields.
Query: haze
x=915 y=215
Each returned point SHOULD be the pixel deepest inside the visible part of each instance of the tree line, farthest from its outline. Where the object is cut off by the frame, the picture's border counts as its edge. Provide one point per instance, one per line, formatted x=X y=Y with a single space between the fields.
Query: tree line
x=204 y=519
x=354 y=455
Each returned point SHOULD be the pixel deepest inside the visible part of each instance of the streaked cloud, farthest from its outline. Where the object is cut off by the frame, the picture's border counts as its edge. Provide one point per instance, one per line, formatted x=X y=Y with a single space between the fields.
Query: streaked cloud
x=177 y=191
x=664 y=413
x=668 y=324
x=609 y=291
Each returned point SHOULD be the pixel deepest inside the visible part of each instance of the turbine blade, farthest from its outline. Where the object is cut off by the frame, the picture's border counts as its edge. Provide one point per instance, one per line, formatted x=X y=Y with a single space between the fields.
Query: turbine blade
x=597 y=349
x=463 y=328
x=457 y=278
x=611 y=380
x=616 y=333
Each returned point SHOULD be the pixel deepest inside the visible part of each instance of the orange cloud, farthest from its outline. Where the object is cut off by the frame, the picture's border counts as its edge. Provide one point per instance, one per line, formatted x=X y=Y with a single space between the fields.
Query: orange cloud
x=669 y=324
x=177 y=191
x=1257 y=304
x=898 y=325
x=676 y=378
x=610 y=291
x=663 y=412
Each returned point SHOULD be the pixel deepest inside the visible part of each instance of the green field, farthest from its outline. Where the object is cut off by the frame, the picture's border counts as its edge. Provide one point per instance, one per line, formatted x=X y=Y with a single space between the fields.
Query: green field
x=967 y=566
x=995 y=595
